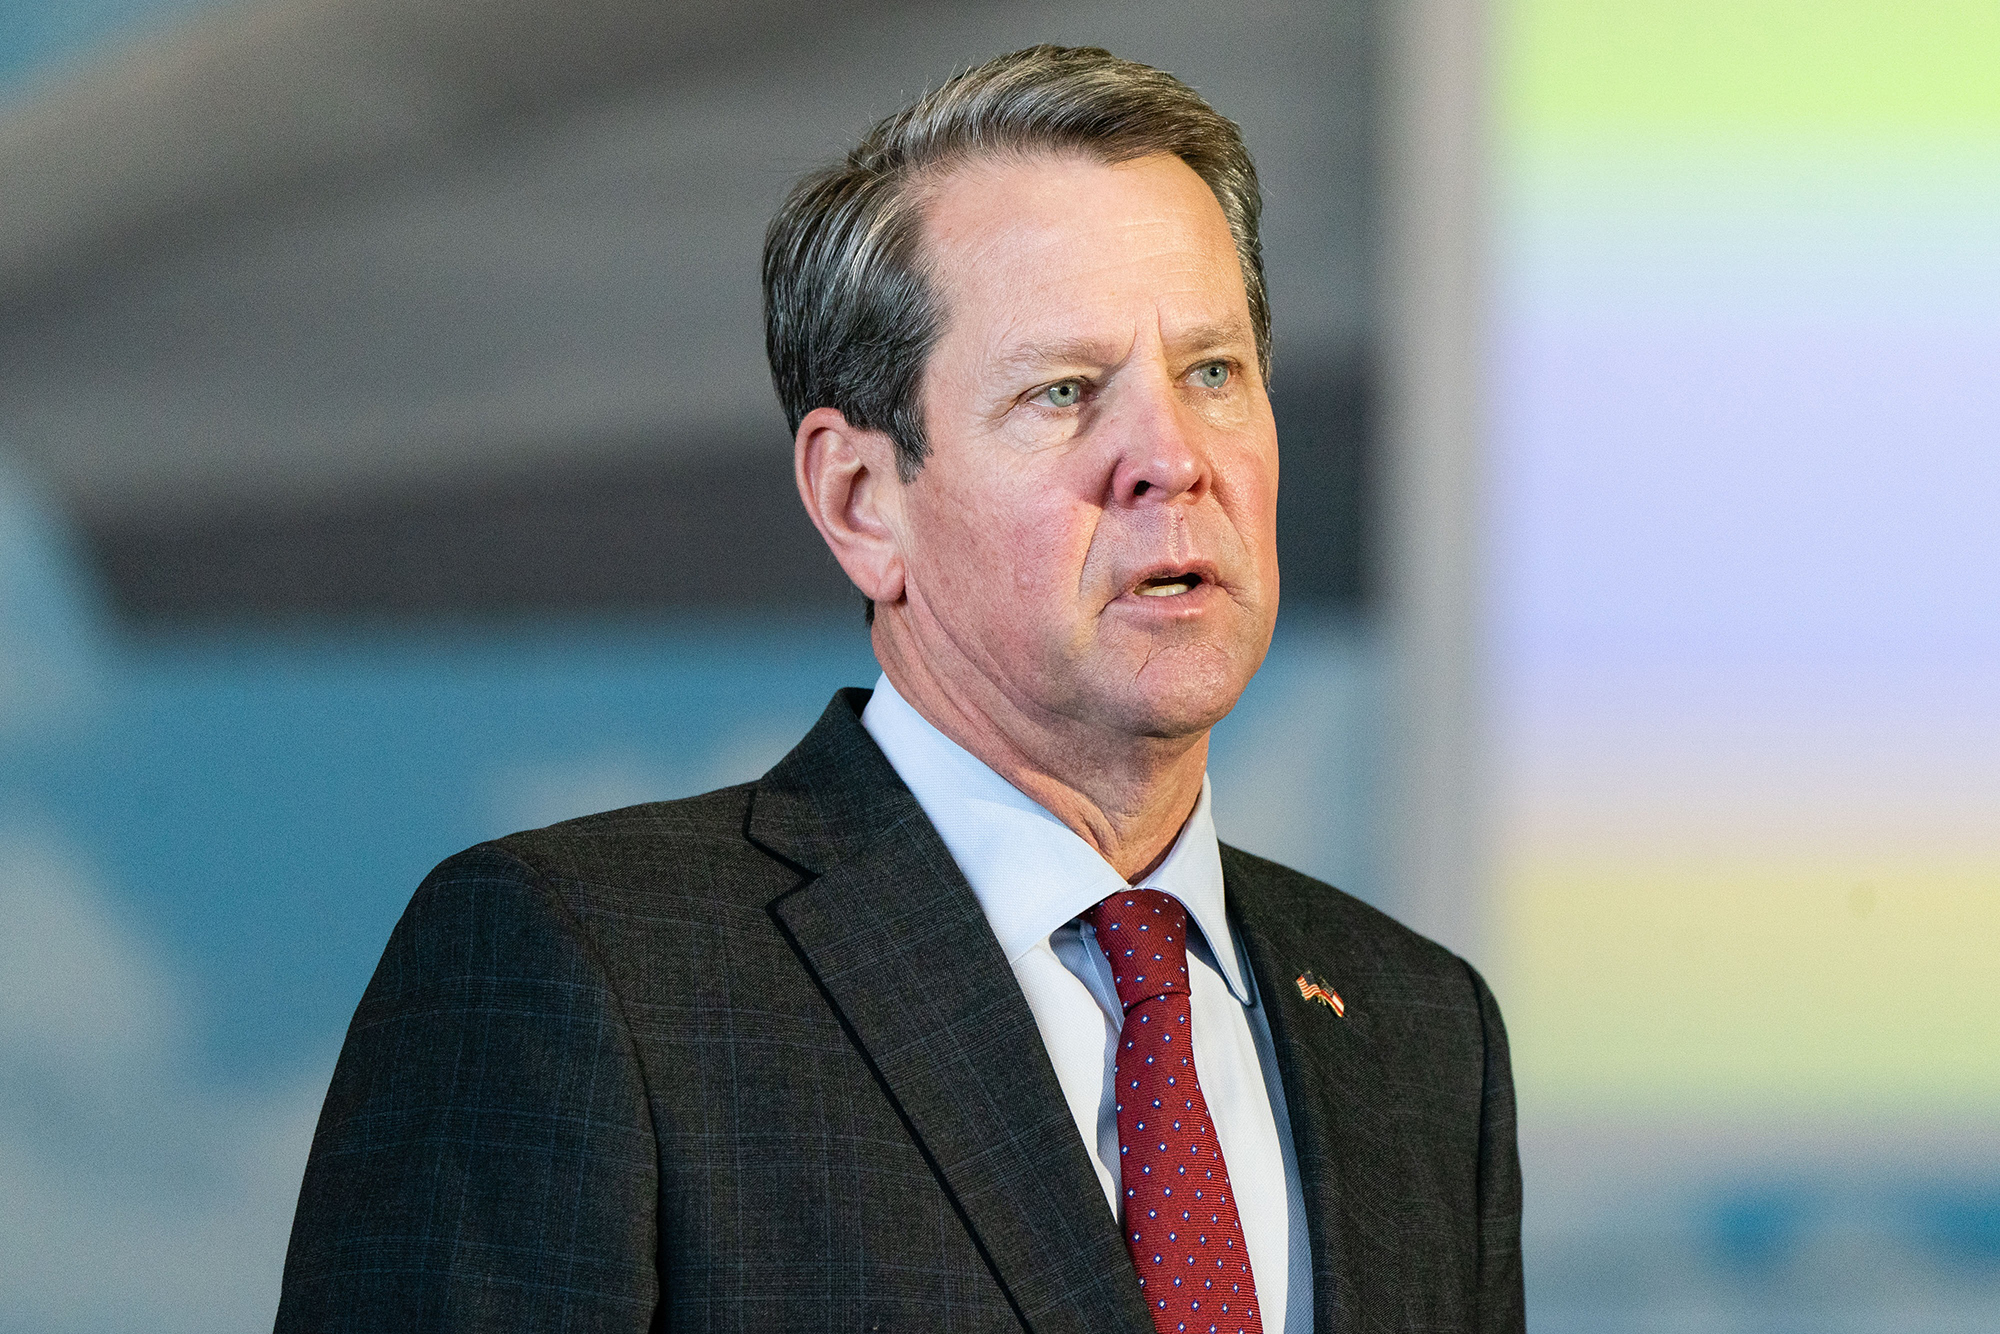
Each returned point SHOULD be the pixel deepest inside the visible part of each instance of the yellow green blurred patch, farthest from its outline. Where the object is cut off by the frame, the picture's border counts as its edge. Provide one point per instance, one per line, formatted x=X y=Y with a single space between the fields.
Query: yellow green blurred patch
x=1755 y=983
x=1705 y=69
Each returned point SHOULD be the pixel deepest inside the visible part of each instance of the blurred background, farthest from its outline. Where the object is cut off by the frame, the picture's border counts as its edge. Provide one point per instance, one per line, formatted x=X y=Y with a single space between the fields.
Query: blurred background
x=387 y=461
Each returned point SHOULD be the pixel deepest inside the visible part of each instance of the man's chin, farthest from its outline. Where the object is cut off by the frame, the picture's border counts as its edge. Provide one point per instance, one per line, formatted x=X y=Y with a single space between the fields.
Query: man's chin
x=1166 y=704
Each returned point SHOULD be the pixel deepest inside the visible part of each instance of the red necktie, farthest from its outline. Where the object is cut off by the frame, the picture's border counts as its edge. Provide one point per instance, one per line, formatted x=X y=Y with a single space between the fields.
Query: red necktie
x=1180 y=1217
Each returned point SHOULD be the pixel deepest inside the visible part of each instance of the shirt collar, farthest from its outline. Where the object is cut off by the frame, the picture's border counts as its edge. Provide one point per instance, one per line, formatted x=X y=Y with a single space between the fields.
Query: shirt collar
x=1030 y=872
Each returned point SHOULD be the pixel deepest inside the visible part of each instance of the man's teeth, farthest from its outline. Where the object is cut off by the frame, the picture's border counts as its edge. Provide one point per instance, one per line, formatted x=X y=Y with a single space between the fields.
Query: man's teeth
x=1167 y=589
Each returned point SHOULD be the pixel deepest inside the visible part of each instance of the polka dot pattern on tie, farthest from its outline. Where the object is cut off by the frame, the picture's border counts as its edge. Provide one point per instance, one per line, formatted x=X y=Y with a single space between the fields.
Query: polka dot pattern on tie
x=1181 y=1223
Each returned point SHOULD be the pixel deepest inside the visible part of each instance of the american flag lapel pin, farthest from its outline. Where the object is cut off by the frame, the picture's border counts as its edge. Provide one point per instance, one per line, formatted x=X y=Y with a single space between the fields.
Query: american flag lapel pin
x=1311 y=988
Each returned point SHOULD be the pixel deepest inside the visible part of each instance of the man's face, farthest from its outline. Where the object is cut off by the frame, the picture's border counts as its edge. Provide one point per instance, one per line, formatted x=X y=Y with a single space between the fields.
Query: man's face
x=1094 y=533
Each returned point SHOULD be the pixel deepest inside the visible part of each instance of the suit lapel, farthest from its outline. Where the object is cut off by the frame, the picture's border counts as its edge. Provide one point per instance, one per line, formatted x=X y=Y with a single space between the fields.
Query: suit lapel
x=1332 y=1081
x=898 y=944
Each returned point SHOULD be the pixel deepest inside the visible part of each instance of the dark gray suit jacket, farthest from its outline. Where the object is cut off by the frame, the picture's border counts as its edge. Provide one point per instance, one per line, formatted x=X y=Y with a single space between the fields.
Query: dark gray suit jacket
x=754 y=1061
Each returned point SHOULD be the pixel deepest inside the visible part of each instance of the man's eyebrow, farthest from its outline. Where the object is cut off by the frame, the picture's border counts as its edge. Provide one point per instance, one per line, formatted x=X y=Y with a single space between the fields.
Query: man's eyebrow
x=1204 y=337
x=1094 y=352
x=1055 y=352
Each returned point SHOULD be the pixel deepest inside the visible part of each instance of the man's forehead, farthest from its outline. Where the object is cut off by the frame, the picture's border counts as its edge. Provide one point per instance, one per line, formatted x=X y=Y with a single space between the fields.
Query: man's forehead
x=1005 y=196
x=1046 y=247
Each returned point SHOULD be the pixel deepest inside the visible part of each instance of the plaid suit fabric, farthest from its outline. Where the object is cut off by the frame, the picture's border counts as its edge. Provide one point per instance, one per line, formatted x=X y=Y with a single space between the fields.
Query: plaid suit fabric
x=697 y=1065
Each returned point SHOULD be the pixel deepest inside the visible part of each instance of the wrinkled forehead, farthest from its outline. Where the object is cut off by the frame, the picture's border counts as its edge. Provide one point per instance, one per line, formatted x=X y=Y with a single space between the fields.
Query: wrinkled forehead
x=1058 y=247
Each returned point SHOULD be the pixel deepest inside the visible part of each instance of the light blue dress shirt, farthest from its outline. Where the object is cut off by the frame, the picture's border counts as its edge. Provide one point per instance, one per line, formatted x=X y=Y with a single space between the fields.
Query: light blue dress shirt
x=1033 y=876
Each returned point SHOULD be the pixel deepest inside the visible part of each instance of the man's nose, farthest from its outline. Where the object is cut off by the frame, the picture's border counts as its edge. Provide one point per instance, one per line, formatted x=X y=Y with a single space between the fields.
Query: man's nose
x=1160 y=454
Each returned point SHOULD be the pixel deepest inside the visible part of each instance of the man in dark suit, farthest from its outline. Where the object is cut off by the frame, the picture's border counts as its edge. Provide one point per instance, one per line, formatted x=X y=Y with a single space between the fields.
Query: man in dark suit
x=959 y=1018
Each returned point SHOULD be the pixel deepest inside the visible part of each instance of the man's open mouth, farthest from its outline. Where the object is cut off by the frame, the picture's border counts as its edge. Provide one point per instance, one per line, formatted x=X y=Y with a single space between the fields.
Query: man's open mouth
x=1167 y=585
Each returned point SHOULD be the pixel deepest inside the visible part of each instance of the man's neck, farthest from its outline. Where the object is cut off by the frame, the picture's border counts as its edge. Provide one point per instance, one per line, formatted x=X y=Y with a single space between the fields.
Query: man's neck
x=1125 y=796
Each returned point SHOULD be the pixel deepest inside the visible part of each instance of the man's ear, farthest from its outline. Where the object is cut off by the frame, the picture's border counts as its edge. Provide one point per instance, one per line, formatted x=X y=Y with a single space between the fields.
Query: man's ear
x=847 y=479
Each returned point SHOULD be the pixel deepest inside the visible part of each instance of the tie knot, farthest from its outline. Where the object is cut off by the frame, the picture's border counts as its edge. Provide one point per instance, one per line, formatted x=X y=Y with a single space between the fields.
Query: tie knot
x=1144 y=934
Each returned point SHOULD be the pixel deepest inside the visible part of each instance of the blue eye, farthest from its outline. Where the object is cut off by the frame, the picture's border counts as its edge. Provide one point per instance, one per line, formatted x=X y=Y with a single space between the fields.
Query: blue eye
x=1213 y=376
x=1064 y=393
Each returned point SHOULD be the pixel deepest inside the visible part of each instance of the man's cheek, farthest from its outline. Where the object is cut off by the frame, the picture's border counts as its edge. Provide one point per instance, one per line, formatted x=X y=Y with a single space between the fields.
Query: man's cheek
x=1024 y=552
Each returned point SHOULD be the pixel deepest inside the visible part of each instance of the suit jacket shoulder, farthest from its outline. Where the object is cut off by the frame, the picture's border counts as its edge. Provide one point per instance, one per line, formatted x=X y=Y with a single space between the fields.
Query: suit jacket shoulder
x=448 y=1186
x=748 y=1060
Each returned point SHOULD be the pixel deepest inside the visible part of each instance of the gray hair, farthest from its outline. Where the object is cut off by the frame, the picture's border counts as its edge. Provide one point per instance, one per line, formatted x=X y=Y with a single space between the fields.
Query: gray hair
x=850 y=316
